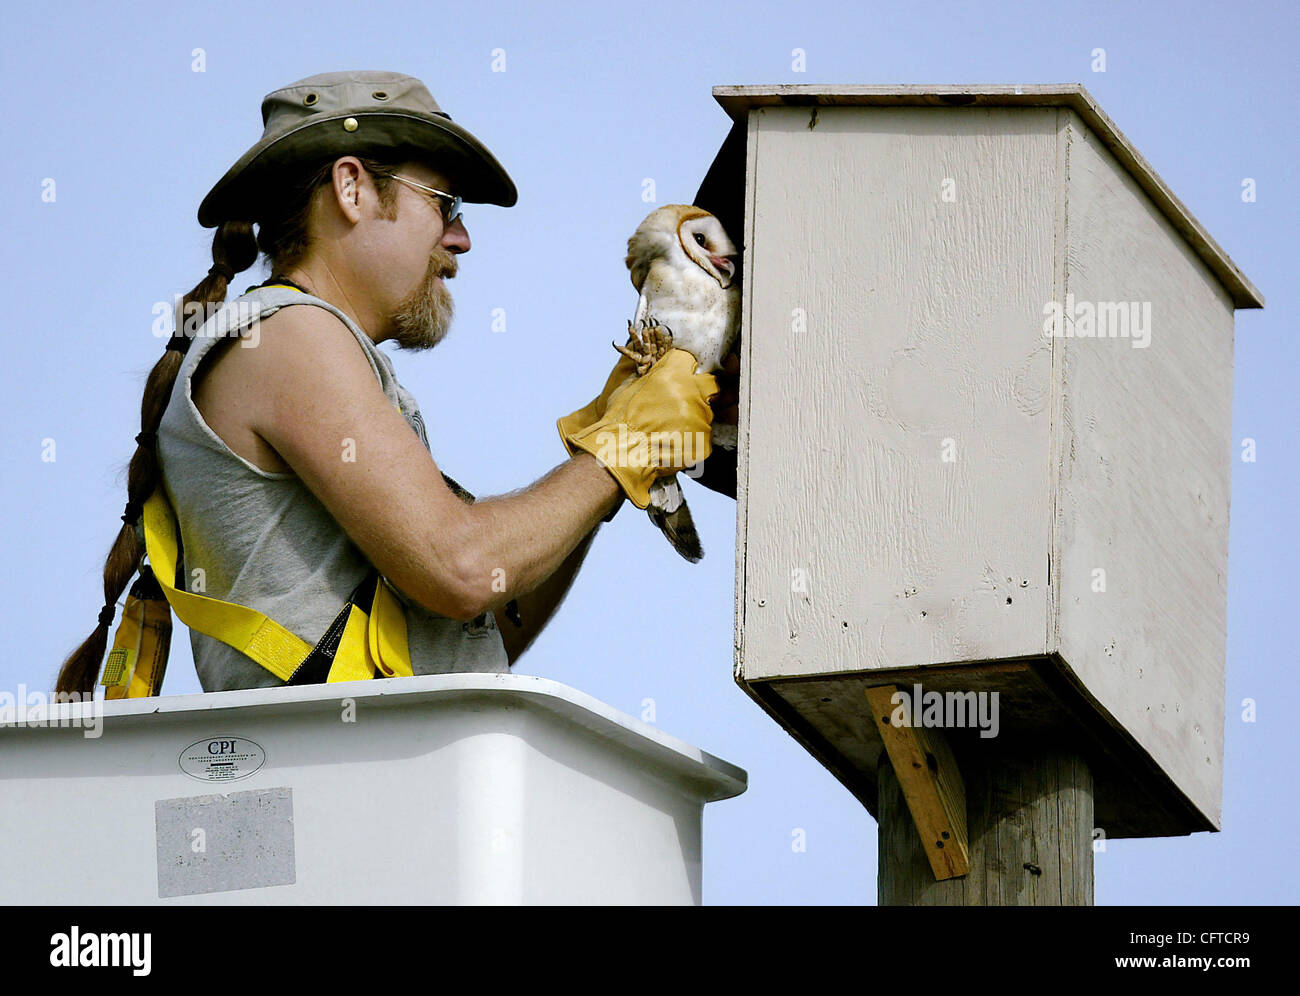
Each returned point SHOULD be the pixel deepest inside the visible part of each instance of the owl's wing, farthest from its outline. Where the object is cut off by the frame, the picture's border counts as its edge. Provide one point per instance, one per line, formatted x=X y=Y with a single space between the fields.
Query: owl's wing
x=668 y=510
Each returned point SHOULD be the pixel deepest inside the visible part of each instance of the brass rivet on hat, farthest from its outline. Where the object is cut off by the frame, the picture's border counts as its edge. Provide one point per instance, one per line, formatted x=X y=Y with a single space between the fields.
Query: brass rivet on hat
x=350 y=124
x=379 y=95
x=309 y=99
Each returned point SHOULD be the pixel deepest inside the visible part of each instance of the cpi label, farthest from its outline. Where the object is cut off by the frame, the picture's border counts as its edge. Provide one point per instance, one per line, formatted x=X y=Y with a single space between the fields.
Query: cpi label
x=222 y=759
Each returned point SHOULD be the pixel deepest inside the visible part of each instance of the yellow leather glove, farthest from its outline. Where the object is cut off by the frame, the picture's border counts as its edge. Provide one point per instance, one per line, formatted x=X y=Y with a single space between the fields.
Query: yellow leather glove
x=588 y=415
x=652 y=426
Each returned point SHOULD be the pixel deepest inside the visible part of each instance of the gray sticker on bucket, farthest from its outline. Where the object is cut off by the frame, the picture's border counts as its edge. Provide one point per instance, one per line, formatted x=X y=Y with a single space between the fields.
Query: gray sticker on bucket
x=220 y=843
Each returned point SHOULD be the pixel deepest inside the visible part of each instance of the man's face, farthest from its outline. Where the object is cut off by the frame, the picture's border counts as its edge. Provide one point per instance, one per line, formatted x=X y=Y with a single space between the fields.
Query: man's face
x=422 y=318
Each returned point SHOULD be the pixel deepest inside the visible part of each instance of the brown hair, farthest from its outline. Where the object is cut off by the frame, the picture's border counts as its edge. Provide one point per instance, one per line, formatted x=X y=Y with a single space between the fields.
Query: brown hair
x=284 y=238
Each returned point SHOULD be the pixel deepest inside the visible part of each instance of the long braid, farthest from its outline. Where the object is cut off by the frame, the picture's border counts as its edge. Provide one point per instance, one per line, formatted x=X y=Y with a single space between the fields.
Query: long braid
x=234 y=248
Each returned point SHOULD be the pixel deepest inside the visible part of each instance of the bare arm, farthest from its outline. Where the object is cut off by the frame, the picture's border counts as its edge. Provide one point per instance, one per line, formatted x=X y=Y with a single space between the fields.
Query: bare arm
x=538 y=606
x=525 y=537
x=318 y=404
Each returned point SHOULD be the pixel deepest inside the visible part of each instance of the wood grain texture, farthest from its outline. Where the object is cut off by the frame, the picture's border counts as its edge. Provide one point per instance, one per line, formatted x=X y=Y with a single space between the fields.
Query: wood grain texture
x=921 y=329
x=738 y=101
x=1029 y=821
x=927 y=774
x=1145 y=449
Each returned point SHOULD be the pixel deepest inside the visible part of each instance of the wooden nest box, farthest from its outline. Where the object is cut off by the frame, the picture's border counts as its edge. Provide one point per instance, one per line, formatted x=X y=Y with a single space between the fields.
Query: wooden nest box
x=940 y=487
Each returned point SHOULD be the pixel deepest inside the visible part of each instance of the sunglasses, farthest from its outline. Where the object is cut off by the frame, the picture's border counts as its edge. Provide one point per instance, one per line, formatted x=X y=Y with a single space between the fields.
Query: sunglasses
x=448 y=204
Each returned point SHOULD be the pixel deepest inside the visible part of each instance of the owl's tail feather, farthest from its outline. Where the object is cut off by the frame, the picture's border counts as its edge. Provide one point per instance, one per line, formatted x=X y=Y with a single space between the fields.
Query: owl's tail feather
x=679 y=528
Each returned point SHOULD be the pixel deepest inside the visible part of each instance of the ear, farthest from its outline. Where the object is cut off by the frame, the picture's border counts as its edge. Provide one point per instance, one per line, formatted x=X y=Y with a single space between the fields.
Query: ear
x=347 y=187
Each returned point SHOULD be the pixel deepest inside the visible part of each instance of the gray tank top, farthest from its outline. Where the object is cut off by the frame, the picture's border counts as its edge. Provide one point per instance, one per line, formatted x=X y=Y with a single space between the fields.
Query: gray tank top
x=264 y=540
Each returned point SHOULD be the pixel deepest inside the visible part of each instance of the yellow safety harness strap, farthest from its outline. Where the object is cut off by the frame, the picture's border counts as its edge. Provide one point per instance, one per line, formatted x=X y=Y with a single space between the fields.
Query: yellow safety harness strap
x=247 y=630
x=369 y=631
x=138 y=660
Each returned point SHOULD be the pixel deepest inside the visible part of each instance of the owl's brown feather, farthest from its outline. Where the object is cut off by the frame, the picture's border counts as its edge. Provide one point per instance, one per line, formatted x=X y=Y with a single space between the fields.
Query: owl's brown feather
x=679 y=528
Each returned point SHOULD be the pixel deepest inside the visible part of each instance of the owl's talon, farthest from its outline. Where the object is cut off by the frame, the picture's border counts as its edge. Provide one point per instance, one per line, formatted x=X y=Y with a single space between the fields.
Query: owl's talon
x=634 y=357
x=646 y=343
x=639 y=350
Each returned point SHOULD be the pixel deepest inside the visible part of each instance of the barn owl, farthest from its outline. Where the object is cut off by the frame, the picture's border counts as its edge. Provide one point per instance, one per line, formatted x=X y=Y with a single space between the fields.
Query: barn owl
x=684 y=266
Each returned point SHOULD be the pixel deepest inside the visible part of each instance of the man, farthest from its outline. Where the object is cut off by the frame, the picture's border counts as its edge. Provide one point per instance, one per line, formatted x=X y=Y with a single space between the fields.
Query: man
x=292 y=467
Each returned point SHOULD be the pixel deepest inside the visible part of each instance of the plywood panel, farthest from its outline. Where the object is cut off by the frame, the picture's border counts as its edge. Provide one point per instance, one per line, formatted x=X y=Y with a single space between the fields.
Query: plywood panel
x=1144 y=456
x=883 y=325
x=740 y=100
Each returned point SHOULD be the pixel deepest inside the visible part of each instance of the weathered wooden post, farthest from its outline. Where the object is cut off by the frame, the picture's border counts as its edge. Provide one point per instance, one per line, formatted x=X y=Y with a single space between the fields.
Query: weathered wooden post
x=983 y=477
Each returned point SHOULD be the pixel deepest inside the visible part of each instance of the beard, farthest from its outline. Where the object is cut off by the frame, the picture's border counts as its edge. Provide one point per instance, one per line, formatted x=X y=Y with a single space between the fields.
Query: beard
x=422 y=320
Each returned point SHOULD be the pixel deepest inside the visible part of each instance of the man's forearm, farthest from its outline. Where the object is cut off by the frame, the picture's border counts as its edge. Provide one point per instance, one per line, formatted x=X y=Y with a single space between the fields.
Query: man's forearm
x=515 y=542
x=538 y=605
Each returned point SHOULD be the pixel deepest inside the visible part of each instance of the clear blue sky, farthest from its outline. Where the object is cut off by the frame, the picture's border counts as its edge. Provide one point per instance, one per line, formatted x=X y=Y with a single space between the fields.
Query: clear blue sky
x=595 y=98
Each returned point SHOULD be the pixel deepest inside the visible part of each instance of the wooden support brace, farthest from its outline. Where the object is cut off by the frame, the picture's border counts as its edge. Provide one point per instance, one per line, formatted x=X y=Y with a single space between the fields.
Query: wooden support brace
x=928 y=776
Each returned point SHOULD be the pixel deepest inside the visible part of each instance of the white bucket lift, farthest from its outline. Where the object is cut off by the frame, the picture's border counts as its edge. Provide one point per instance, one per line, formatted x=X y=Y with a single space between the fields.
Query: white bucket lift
x=438 y=789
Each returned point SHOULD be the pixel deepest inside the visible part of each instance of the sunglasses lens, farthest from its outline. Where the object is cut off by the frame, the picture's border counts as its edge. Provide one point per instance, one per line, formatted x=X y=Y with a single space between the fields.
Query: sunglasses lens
x=447 y=204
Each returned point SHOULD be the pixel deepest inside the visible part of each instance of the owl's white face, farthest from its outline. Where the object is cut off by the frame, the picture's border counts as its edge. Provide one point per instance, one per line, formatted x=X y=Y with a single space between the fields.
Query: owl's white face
x=681 y=237
x=706 y=243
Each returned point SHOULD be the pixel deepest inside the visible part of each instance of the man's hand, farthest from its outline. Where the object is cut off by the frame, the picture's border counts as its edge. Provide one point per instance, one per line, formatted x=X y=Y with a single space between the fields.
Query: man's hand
x=623 y=370
x=644 y=416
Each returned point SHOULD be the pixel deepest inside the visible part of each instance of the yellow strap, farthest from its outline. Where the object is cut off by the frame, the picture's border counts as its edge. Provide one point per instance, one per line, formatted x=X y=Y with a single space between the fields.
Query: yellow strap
x=137 y=662
x=247 y=630
x=370 y=640
x=387 y=634
x=351 y=660
x=125 y=651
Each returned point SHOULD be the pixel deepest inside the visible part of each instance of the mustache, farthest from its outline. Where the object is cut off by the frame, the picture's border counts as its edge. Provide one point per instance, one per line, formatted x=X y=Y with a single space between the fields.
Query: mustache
x=443 y=264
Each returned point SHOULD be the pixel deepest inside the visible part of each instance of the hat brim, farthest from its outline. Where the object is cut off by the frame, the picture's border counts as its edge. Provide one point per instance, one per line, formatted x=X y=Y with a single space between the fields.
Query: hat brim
x=243 y=193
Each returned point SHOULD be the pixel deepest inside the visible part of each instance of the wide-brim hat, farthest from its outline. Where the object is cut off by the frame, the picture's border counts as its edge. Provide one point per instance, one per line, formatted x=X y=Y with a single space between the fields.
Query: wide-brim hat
x=360 y=113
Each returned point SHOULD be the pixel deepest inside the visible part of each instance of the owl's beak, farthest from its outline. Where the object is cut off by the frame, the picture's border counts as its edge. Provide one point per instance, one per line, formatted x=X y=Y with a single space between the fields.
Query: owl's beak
x=724 y=266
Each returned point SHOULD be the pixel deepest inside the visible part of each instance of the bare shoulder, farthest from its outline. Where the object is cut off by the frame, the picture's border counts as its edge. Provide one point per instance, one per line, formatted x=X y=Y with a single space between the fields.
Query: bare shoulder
x=306 y=362
x=246 y=383
x=299 y=338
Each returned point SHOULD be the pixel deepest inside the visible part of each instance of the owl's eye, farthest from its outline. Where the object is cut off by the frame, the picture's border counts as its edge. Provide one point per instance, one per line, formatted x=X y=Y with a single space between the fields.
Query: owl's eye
x=699 y=238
